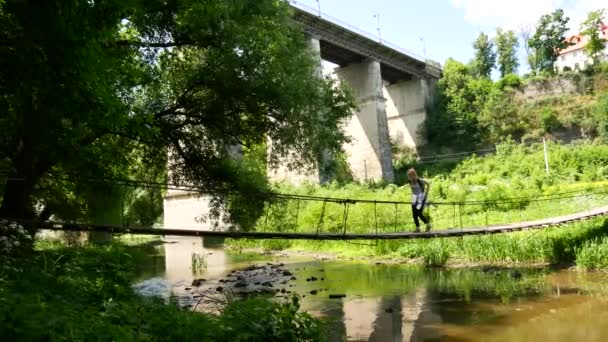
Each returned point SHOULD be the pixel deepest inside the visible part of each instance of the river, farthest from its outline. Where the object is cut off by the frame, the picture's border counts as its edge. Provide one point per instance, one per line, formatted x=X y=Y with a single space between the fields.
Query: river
x=398 y=302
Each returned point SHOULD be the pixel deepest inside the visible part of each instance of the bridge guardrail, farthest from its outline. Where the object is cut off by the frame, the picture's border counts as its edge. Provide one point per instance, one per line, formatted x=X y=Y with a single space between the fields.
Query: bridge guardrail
x=429 y=63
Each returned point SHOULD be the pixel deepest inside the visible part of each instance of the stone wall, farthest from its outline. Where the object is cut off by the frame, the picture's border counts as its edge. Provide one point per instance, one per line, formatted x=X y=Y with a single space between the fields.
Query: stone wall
x=542 y=87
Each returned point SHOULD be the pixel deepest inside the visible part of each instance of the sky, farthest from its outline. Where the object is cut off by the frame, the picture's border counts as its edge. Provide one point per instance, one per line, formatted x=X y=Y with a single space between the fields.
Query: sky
x=439 y=29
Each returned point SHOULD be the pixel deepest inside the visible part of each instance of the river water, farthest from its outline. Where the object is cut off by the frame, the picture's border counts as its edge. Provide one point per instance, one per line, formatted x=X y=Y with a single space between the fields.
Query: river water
x=400 y=302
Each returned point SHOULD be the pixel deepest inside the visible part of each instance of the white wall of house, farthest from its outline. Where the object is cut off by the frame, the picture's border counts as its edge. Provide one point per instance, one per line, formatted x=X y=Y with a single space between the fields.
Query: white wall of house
x=576 y=59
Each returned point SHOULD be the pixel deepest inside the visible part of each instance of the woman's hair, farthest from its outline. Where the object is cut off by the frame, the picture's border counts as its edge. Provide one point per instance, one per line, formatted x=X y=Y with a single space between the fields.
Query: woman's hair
x=412 y=172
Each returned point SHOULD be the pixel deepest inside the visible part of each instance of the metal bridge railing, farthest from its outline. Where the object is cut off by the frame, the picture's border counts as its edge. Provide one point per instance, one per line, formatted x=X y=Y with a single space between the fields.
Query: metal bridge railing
x=311 y=10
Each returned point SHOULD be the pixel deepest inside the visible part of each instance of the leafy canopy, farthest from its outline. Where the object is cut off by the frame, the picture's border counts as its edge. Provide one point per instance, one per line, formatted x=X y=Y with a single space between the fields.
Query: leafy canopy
x=506 y=48
x=549 y=38
x=85 y=83
x=460 y=100
x=485 y=56
x=591 y=28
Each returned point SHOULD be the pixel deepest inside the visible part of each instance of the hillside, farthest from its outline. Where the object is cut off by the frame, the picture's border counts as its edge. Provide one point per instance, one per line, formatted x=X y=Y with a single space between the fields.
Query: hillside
x=472 y=112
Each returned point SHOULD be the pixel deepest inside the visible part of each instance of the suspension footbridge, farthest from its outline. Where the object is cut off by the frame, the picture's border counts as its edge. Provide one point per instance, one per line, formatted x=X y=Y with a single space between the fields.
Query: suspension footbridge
x=443 y=233
x=377 y=226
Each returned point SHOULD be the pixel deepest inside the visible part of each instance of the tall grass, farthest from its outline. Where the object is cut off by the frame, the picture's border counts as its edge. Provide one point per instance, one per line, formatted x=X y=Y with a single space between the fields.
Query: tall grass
x=593 y=254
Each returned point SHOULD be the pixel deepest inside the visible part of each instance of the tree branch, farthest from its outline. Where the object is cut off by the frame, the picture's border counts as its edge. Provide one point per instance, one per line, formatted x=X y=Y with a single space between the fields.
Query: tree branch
x=135 y=43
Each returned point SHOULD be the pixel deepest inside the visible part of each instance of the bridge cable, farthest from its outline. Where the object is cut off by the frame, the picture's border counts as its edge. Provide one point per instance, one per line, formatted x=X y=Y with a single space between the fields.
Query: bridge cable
x=321 y=218
x=295 y=228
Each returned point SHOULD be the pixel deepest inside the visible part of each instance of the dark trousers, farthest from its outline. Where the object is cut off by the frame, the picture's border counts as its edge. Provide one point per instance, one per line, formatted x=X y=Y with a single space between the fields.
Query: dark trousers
x=417 y=213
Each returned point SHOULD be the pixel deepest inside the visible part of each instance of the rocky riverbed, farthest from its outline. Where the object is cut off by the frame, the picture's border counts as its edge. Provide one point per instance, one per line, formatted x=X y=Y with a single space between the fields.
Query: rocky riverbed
x=270 y=279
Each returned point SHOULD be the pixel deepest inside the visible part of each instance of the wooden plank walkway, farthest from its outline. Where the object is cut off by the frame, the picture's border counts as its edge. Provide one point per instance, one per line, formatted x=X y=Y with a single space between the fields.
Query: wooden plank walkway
x=452 y=232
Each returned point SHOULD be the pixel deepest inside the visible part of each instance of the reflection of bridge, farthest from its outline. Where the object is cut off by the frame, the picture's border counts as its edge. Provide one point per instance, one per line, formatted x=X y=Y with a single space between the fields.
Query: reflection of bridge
x=527 y=225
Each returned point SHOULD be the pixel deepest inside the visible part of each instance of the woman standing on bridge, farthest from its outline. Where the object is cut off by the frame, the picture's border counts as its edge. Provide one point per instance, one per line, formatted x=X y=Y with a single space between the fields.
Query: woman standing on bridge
x=420 y=189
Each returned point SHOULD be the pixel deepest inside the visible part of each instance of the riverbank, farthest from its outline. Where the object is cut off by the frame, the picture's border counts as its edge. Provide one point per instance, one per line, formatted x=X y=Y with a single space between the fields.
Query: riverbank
x=54 y=292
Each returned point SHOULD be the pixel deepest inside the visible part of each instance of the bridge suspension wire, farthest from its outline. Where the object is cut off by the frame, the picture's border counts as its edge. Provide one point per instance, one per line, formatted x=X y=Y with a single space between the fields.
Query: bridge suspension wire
x=270 y=195
x=537 y=224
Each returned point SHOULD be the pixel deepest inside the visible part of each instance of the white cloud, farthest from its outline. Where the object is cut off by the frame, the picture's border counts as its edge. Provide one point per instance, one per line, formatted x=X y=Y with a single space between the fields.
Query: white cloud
x=511 y=14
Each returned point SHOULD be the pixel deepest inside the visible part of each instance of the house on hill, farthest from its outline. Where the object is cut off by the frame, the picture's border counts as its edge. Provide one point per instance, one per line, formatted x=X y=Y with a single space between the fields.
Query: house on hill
x=574 y=57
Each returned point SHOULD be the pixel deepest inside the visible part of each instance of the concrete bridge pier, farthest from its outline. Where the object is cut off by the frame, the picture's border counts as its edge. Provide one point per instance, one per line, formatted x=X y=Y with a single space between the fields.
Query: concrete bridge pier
x=369 y=154
x=406 y=104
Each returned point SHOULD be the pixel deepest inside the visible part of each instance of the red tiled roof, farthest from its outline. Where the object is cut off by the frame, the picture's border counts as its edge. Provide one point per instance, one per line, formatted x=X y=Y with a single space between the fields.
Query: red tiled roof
x=579 y=41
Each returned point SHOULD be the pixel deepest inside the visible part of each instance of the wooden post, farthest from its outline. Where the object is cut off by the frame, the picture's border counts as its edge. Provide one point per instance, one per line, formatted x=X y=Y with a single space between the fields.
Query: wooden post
x=546 y=156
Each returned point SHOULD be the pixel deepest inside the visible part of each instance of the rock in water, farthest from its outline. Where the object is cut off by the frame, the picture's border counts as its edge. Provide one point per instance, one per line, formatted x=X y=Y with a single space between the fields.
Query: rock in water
x=198 y=282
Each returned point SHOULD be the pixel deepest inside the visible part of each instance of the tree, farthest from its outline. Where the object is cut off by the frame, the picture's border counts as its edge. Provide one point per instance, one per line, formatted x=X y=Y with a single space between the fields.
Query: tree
x=525 y=33
x=591 y=28
x=506 y=48
x=549 y=38
x=461 y=97
x=485 y=57
x=84 y=82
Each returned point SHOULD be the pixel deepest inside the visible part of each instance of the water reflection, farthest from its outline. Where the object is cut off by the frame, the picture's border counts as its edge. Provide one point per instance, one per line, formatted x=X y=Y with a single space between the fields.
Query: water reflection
x=405 y=303
x=360 y=315
x=180 y=256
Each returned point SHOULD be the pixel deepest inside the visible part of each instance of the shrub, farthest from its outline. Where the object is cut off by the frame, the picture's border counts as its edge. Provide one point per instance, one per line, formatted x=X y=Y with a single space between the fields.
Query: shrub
x=600 y=116
x=435 y=254
x=510 y=80
x=548 y=120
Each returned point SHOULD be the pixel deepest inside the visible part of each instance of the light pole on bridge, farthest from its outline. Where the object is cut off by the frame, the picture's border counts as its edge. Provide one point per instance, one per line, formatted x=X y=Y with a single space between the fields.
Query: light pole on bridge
x=423 y=46
x=377 y=16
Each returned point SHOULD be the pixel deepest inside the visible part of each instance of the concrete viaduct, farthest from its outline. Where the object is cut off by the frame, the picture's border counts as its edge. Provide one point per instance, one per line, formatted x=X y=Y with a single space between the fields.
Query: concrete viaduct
x=391 y=88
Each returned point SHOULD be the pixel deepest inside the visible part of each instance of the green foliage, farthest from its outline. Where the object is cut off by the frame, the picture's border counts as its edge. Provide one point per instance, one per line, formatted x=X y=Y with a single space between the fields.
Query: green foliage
x=460 y=99
x=506 y=49
x=509 y=81
x=485 y=56
x=85 y=294
x=548 y=120
x=593 y=254
x=473 y=112
x=553 y=245
x=600 y=115
x=591 y=28
x=500 y=117
x=89 y=87
x=435 y=254
x=549 y=39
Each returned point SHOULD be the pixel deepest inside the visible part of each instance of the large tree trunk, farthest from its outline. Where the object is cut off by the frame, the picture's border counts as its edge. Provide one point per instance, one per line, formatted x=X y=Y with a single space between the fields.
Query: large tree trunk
x=19 y=186
x=16 y=198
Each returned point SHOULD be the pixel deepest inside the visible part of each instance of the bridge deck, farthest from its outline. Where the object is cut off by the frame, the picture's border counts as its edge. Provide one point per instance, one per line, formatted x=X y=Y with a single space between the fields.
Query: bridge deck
x=526 y=225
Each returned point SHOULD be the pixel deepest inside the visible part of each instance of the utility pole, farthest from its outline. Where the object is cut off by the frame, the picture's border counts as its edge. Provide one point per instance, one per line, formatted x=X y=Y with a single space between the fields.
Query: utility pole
x=377 y=16
x=546 y=156
x=319 y=7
